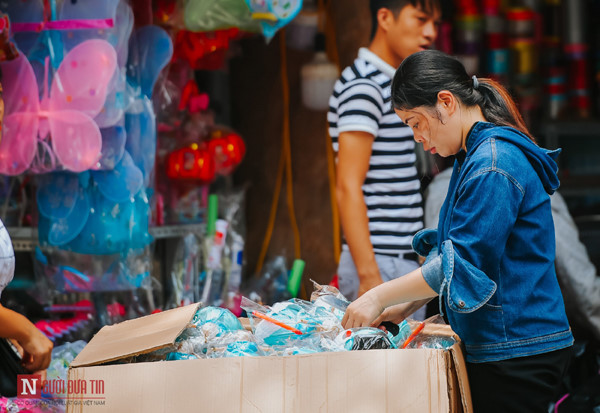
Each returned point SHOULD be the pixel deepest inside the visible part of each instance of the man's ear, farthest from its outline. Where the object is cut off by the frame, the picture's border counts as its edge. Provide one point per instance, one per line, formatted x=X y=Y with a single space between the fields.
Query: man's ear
x=385 y=18
x=447 y=101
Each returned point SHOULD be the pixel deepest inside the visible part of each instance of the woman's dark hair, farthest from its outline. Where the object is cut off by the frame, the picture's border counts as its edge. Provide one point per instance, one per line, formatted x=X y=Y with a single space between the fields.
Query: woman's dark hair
x=428 y=6
x=422 y=75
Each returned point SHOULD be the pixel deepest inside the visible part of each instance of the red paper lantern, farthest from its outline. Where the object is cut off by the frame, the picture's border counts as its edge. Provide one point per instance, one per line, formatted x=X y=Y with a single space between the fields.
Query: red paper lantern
x=192 y=162
x=228 y=151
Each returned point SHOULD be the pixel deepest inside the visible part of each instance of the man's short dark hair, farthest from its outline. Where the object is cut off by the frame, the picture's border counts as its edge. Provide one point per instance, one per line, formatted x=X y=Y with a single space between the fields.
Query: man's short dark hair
x=395 y=6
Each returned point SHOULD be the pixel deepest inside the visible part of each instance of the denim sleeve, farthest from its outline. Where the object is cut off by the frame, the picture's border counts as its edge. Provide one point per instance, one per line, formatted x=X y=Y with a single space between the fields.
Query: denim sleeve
x=480 y=225
x=433 y=271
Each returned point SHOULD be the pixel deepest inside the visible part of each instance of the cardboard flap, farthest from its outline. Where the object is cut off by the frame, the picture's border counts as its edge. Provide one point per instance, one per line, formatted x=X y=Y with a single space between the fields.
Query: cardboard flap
x=137 y=336
x=463 y=380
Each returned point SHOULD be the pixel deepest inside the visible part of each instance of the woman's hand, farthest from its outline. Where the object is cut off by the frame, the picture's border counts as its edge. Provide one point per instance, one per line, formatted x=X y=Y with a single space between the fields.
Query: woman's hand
x=363 y=311
x=396 y=314
x=37 y=350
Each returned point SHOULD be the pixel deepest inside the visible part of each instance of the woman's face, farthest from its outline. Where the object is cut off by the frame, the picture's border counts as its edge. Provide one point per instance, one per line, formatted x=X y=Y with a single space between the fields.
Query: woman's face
x=436 y=129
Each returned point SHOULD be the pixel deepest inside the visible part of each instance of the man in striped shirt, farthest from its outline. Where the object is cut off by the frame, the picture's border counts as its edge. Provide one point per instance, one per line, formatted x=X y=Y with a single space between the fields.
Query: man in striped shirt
x=378 y=188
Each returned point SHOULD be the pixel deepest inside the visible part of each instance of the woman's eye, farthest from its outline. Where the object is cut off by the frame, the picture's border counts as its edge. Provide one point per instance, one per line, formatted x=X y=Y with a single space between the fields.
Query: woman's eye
x=415 y=126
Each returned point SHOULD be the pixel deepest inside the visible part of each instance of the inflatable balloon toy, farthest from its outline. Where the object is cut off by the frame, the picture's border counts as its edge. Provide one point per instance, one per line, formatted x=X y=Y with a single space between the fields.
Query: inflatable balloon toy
x=273 y=14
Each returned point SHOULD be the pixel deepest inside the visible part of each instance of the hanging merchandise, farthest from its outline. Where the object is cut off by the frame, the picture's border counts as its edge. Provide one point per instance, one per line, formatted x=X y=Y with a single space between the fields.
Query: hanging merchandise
x=192 y=162
x=497 y=53
x=273 y=14
x=204 y=50
x=227 y=149
x=256 y=16
x=555 y=77
x=555 y=88
x=576 y=50
x=92 y=225
x=209 y=15
x=45 y=30
x=318 y=78
x=151 y=50
x=8 y=51
x=65 y=112
x=188 y=168
x=185 y=272
x=468 y=40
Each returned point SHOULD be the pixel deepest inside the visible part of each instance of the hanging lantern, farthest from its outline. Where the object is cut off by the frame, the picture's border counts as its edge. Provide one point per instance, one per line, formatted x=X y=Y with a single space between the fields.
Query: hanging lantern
x=192 y=162
x=227 y=150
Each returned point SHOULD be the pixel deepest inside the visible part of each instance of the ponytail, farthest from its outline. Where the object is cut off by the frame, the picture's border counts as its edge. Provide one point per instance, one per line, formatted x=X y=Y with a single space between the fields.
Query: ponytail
x=422 y=75
x=499 y=108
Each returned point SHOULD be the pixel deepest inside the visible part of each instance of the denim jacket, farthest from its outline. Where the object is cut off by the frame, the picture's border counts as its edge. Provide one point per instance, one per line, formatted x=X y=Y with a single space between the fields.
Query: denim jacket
x=492 y=257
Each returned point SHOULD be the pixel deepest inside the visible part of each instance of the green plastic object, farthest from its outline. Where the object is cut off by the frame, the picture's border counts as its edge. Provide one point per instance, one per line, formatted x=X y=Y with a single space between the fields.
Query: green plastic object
x=213 y=209
x=209 y=15
x=295 y=278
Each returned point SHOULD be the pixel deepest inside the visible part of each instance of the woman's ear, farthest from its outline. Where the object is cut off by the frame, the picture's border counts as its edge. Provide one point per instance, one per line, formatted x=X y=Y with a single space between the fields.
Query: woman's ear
x=447 y=101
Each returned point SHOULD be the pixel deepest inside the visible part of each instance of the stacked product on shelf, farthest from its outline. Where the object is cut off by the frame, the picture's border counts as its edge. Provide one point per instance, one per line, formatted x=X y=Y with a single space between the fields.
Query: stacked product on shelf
x=89 y=141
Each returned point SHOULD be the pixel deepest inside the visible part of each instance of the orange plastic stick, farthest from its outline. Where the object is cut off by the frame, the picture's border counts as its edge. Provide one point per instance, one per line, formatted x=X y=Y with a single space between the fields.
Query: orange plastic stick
x=415 y=333
x=276 y=322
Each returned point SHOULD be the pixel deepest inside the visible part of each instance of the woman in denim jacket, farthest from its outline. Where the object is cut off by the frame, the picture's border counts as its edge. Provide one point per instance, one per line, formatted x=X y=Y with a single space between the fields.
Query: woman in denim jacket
x=491 y=259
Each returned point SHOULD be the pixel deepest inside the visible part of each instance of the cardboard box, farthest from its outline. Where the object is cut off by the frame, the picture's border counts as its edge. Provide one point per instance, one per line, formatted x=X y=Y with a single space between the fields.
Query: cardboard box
x=412 y=380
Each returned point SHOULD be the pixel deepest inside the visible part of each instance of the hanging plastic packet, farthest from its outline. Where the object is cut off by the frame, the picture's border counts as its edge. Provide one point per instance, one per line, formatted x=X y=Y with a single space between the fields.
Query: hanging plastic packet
x=184 y=273
x=212 y=278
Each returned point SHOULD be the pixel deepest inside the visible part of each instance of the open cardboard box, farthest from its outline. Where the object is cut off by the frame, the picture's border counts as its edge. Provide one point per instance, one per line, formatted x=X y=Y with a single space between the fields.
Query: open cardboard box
x=412 y=380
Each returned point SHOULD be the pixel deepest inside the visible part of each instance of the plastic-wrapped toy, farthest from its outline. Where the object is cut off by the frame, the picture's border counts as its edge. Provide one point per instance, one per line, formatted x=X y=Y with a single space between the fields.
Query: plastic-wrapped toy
x=365 y=338
x=224 y=318
x=50 y=30
x=67 y=112
x=107 y=212
x=330 y=298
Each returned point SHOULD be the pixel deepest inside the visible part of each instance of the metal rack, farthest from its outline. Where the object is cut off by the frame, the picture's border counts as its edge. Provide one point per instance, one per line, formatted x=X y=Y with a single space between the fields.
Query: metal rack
x=26 y=238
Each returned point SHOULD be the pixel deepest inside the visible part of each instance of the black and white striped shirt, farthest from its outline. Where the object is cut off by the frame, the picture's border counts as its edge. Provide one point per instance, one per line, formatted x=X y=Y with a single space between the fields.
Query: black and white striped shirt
x=361 y=102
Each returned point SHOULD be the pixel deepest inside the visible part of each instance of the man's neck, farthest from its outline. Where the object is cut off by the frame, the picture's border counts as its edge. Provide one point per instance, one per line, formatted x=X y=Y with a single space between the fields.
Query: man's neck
x=379 y=47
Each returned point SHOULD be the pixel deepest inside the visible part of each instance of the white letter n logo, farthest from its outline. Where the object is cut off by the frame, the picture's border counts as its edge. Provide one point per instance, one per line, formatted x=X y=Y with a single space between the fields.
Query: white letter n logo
x=28 y=386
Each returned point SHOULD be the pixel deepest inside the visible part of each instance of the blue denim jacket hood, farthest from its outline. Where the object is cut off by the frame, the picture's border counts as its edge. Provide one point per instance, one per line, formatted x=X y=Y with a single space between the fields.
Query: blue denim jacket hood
x=542 y=160
x=492 y=257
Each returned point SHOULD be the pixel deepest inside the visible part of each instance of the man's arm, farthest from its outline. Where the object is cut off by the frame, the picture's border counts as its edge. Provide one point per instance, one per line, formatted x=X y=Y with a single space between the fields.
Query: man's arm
x=354 y=154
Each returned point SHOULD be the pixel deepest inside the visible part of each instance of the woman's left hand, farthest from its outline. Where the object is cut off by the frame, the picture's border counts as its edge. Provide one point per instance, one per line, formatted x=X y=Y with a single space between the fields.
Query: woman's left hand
x=363 y=311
